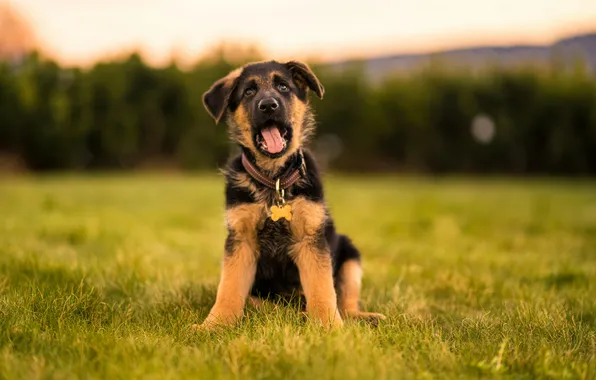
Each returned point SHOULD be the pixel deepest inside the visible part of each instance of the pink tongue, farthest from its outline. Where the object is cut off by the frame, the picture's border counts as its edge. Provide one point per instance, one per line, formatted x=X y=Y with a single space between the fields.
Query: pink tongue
x=273 y=139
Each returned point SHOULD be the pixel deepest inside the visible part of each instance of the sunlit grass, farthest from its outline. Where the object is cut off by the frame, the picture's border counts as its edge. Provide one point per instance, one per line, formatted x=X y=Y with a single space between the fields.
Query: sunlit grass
x=102 y=277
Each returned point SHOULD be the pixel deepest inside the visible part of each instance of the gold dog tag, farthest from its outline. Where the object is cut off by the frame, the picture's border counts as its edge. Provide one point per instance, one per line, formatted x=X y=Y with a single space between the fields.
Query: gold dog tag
x=278 y=212
x=281 y=209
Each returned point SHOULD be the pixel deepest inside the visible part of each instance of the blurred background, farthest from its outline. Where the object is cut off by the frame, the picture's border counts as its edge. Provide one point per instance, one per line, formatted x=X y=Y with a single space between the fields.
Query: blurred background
x=433 y=87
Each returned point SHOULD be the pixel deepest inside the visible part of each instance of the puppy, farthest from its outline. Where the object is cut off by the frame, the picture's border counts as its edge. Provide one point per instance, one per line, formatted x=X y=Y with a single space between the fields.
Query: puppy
x=281 y=238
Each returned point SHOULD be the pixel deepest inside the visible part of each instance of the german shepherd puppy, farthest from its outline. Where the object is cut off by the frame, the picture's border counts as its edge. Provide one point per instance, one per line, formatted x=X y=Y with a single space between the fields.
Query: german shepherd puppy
x=281 y=238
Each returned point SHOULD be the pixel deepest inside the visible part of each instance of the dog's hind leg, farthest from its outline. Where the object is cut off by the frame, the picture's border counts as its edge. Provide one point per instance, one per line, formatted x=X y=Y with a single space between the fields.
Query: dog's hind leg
x=348 y=282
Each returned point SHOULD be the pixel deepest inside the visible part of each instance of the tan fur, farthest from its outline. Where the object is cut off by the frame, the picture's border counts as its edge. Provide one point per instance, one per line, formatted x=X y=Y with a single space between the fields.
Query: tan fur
x=244 y=221
x=237 y=276
x=349 y=292
x=297 y=119
x=316 y=277
x=350 y=281
x=243 y=180
x=303 y=128
x=308 y=216
x=239 y=267
x=241 y=130
x=275 y=73
x=314 y=262
x=256 y=79
x=300 y=82
x=270 y=165
x=256 y=302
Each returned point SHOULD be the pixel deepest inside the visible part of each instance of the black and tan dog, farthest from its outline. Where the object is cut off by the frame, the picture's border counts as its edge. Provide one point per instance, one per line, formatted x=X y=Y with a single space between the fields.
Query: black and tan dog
x=281 y=238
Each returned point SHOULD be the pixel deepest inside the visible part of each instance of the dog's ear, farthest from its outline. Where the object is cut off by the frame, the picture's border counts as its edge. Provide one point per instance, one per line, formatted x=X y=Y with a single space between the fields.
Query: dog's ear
x=304 y=77
x=216 y=98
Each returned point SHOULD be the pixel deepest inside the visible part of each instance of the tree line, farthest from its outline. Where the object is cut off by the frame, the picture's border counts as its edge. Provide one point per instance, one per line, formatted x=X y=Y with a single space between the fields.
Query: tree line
x=125 y=114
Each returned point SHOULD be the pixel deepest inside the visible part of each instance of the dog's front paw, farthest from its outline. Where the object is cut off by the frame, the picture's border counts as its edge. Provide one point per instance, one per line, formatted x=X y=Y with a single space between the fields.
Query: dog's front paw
x=326 y=315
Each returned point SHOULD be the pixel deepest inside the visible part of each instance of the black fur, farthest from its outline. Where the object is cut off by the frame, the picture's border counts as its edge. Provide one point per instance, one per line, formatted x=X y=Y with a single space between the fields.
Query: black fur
x=230 y=242
x=216 y=100
x=301 y=72
x=277 y=275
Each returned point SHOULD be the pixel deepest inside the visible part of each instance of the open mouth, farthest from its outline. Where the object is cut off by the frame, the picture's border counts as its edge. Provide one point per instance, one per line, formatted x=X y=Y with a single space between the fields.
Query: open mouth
x=272 y=139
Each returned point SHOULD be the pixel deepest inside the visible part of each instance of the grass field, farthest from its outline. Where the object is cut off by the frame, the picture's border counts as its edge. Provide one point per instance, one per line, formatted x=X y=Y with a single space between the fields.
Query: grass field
x=101 y=277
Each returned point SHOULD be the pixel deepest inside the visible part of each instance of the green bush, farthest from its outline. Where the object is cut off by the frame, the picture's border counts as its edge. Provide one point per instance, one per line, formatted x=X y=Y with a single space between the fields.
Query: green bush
x=123 y=114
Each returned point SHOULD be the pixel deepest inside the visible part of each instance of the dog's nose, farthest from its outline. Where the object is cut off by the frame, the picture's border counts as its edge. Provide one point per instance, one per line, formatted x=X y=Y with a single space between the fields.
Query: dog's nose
x=268 y=105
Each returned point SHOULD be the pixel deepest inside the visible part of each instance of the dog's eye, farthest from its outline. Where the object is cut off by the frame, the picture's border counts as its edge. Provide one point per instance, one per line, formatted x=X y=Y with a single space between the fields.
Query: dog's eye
x=283 y=87
x=249 y=91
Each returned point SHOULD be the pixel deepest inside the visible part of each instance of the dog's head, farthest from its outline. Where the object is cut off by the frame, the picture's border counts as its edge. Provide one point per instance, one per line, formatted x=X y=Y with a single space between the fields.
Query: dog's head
x=265 y=105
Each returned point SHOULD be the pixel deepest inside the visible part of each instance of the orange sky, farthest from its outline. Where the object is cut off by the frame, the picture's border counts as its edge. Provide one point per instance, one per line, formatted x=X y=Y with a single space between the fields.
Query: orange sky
x=81 y=31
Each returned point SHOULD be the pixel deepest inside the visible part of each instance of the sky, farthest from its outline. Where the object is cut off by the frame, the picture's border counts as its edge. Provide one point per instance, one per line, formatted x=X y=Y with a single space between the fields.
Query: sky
x=82 y=31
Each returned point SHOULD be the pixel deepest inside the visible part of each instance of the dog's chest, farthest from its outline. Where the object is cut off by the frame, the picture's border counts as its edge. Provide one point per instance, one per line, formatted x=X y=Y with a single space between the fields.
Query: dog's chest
x=276 y=271
x=274 y=239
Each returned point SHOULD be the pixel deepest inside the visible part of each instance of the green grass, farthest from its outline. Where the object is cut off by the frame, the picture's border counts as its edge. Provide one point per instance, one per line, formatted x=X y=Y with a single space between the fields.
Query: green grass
x=101 y=277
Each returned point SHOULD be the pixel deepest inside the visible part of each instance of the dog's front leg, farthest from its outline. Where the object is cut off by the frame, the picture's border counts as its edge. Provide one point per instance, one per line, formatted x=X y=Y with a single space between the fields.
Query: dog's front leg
x=312 y=256
x=239 y=266
x=237 y=276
